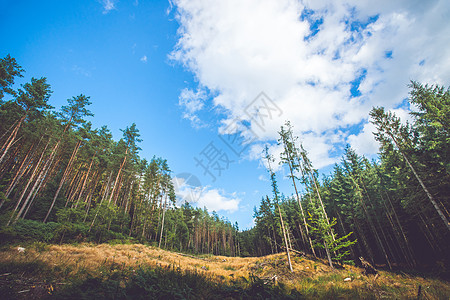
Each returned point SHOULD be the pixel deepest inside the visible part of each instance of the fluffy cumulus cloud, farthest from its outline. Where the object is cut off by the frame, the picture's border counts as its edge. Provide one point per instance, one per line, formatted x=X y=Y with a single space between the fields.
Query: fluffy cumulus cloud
x=364 y=140
x=188 y=188
x=324 y=64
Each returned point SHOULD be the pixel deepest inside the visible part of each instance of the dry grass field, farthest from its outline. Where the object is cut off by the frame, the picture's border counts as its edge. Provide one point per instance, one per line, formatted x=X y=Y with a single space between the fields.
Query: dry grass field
x=42 y=270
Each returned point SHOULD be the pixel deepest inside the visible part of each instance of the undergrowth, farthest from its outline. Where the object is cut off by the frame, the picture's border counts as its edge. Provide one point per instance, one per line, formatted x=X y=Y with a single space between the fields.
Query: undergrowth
x=51 y=232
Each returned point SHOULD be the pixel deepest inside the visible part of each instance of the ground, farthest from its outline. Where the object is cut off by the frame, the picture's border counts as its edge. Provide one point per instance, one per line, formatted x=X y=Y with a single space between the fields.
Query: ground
x=42 y=271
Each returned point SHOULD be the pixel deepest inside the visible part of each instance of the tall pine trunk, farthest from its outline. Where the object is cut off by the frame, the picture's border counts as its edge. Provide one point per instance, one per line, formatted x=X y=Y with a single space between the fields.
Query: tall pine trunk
x=285 y=240
x=30 y=180
x=118 y=175
x=12 y=137
x=162 y=222
x=63 y=179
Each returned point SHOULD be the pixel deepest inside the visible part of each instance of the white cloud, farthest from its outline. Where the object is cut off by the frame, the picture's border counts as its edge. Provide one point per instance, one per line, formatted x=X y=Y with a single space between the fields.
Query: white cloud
x=192 y=102
x=236 y=49
x=144 y=59
x=187 y=188
x=108 y=5
x=364 y=142
x=403 y=114
x=212 y=199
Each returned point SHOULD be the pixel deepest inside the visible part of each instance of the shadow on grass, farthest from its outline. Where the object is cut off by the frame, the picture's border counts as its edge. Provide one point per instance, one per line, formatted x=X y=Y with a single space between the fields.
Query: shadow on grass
x=170 y=283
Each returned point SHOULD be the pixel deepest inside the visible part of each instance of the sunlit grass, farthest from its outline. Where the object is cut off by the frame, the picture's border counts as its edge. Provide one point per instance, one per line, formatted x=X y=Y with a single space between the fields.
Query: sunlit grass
x=312 y=278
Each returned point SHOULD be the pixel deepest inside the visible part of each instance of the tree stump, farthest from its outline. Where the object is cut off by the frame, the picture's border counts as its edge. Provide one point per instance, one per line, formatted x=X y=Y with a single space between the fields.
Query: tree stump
x=368 y=268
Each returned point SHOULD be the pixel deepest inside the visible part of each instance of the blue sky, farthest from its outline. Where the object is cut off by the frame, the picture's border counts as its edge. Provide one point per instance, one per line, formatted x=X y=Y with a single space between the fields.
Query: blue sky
x=184 y=71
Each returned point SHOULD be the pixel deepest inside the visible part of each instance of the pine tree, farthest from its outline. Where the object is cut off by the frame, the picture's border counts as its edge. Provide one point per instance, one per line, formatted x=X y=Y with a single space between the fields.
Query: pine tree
x=9 y=69
x=275 y=191
x=73 y=115
x=32 y=99
x=390 y=129
x=288 y=157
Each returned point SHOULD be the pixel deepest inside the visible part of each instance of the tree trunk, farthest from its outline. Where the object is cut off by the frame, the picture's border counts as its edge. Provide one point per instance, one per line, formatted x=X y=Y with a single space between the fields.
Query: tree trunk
x=365 y=243
x=369 y=220
x=76 y=188
x=41 y=177
x=72 y=185
x=35 y=171
x=89 y=197
x=101 y=201
x=162 y=222
x=118 y=174
x=300 y=205
x=12 y=137
x=63 y=179
x=19 y=173
x=285 y=240
x=402 y=231
x=84 y=183
x=330 y=262
x=430 y=197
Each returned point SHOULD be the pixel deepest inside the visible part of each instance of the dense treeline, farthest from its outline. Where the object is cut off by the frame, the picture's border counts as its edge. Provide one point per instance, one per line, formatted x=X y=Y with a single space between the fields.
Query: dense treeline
x=62 y=180
x=58 y=170
x=395 y=208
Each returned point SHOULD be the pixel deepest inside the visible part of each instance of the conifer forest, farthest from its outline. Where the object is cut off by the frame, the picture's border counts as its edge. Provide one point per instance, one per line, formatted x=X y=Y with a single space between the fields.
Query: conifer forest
x=63 y=181
x=66 y=180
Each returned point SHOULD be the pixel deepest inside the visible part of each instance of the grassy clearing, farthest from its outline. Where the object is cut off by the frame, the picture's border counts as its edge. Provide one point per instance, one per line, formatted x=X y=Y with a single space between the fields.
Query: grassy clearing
x=104 y=271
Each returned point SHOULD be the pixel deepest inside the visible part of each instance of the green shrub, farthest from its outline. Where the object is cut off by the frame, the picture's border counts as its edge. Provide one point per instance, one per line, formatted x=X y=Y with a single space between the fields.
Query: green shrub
x=40 y=246
x=29 y=230
x=71 y=232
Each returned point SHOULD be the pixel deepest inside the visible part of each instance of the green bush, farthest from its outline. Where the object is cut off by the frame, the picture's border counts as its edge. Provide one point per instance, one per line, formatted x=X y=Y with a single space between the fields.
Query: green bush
x=67 y=232
x=29 y=230
x=71 y=232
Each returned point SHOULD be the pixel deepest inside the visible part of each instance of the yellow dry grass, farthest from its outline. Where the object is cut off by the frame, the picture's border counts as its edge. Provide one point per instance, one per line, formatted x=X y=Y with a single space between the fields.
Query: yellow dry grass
x=91 y=257
x=308 y=276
